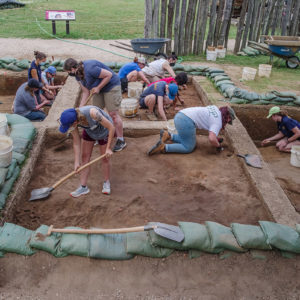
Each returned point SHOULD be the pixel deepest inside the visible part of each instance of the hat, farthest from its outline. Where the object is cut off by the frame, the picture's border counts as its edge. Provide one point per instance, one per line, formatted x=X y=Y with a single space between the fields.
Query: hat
x=51 y=70
x=67 y=118
x=273 y=110
x=173 y=90
x=141 y=60
x=232 y=114
x=33 y=83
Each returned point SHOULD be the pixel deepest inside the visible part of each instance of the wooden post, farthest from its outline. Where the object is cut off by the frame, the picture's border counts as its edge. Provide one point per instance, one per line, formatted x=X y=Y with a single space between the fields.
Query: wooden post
x=67 y=27
x=248 y=23
x=228 y=26
x=155 y=23
x=226 y=20
x=163 y=13
x=188 y=27
x=295 y=19
x=53 y=27
x=253 y=20
x=148 y=18
x=259 y=27
x=212 y=21
x=240 y=27
x=277 y=16
x=204 y=14
x=219 y=21
x=182 y=27
x=170 y=24
x=197 y=29
x=286 y=17
x=176 y=26
x=267 y=17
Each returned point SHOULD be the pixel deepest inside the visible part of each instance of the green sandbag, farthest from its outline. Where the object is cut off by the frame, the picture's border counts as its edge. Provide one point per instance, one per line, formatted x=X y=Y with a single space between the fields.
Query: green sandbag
x=243 y=94
x=298 y=228
x=218 y=84
x=2 y=200
x=20 y=145
x=260 y=102
x=224 y=87
x=13 y=67
x=229 y=91
x=15 y=239
x=75 y=244
x=222 y=237
x=213 y=75
x=267 y=97
x=111 y=65
x=138 y=243
x=297 y=101
x=196 y=73
x=290 y=104
x=55 y=63
x=250 y=236
x=234 y=100
x=249 y=52
x=196 y=237
x=178 y=67
x=25 y=131
x=119 y=65
x=284 y=100
x=50 y=244
x=285 y=94
x=13 y=119
x=8 y=185
x=188 y=68
x=281 y=236
x=221 y=78
x=23 y=64
x=213 y=70
x=201 y=68
x=3 y=174
x=108 y=246
x=59 y=69
x=19 y=157
x=7 y=60
x=2 y=254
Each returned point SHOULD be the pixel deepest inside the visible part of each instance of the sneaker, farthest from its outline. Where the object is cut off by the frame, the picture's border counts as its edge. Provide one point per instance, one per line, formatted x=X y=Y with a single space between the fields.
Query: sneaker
x=159 y=147
x=106 y=188
x=80 y=191
x=119 y=146
x=164 y=135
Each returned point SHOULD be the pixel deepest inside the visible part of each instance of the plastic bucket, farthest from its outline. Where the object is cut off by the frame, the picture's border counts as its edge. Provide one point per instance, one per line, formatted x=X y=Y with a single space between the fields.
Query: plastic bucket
x=249 y=73
x=6 y=147
x=3 y=125
x=135 y=89
x=295 y=156
x=211 y=55
x=221 y=52
x=129 y=107
x=171 y=126
x=264 y=70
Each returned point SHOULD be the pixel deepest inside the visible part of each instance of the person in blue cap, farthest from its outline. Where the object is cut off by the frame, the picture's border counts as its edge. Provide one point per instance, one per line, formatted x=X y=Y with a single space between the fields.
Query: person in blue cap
x=97 y=126
x=156 y=96
x=288 y=130
x=48 y=80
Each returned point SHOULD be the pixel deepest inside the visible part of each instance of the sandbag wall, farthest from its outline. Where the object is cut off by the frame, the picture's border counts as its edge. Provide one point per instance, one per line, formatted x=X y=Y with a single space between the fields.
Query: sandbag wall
x=22 y=133
x=210 y=237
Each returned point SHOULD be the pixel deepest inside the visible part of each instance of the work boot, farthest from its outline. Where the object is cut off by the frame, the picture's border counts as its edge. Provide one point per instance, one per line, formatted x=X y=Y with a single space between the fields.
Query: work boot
x=80 y=191
x=151 y=116
x=164 y=135
x=159 y=147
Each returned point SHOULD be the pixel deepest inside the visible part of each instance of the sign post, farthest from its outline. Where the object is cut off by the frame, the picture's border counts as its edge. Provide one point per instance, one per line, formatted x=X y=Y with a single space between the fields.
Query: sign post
x=60 y=15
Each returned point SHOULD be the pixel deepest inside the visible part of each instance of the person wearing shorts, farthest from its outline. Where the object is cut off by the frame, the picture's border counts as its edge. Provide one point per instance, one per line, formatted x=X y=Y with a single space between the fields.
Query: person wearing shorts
x=97 y=126
x=99 y=80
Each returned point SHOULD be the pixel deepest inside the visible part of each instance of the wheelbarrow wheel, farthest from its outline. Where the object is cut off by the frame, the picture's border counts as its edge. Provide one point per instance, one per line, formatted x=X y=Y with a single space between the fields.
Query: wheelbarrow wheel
x=292 y=62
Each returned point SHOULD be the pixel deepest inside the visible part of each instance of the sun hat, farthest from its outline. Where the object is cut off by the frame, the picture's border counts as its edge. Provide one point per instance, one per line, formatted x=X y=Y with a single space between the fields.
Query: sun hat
x=232 y=115
x=173 y=90
x=51 y=70
x=273 y=110
x=33 y=83
x=141 y=60
x=67 y=118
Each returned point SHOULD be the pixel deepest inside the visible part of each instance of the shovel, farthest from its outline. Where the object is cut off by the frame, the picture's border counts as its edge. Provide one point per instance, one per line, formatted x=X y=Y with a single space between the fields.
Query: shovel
x=252 y=160
x=45 y=192
x=167 y=231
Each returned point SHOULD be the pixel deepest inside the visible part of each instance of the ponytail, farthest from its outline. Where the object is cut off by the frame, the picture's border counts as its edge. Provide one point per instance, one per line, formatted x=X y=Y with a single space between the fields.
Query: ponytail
x=39 y=55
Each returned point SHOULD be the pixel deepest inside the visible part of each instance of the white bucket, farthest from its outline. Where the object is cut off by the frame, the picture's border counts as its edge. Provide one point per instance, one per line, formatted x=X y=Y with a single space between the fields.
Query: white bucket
x=135 y=89
x=171 y=126
x=3 y=125
x=211 y=55
x=264 y=70
x=221 y=53
x=249 y=73
x=6 y=146
x=129 y=107
x=295 y=156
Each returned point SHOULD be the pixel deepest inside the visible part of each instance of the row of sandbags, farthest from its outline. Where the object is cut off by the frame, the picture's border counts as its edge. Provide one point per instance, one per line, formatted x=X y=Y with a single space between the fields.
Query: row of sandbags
x=22 y=133
x=251 y=51
x=210 y=237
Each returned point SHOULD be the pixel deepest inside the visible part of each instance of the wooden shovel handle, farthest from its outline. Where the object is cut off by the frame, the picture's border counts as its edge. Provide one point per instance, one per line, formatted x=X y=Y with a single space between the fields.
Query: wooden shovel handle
x=88 y=99
x=59 y=182
x=96 y=231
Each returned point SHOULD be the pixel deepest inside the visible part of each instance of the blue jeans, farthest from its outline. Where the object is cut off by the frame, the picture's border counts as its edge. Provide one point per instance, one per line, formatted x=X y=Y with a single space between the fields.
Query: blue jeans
x=36 y=116
x=185 y=140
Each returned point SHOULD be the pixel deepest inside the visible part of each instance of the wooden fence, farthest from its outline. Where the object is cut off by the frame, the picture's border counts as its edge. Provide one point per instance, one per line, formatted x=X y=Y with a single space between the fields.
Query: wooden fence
x=195 y=24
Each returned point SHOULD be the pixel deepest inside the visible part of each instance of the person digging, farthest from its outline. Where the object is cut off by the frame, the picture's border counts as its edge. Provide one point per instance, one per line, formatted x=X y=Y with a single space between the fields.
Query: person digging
x=186 y=121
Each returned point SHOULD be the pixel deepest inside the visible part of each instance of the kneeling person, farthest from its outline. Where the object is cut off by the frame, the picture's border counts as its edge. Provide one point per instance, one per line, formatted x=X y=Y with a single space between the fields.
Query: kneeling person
x=97 y=126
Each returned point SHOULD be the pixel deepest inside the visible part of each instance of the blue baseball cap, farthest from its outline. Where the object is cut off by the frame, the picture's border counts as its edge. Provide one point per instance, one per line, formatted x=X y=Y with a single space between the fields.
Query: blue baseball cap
x=51 y=70
x=173 y=90
x=67 y=118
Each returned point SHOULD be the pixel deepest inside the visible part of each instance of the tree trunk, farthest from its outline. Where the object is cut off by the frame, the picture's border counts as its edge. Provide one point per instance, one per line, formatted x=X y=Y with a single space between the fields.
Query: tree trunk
x=163 y=13
x=268 y=17
x=155 y=22
x=212 y=22
x=148 y=18
x=197 y=29
x=204 y=13
x=248 y=23
x=182 y=27
x=229 y=24
x=176 y=26
x=240 y=27
x=219 y=21
x=295 y=19
x=286 y=18
x=226 y=21
x=170 y=25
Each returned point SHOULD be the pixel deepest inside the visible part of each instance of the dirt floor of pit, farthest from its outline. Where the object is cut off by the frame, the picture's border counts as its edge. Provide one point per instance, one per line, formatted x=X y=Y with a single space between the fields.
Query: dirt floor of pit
x=286 y=174
x=167 y=188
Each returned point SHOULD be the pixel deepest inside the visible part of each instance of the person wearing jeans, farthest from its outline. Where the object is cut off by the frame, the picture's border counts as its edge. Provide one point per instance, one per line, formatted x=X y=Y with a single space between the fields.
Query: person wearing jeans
x=186 y=121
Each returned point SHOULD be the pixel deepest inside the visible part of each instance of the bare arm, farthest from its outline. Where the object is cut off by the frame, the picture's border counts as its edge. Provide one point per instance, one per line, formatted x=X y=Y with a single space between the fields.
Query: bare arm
x=296 y=135
x=169 y=69
x=142 y=75
x=213 y=139
x=276 y=137
x=105 y=76
x=77 y=148
x=85 y=94
x=34 y=74
x=160 y=104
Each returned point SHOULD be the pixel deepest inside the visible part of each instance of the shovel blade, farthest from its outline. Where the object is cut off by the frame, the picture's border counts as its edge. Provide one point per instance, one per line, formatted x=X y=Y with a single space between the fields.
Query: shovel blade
x=42 y=193
x=170 y=232
x=253 y=160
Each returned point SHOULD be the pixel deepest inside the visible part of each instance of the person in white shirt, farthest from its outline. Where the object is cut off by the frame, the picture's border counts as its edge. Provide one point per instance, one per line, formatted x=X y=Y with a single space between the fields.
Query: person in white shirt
x=186 y=121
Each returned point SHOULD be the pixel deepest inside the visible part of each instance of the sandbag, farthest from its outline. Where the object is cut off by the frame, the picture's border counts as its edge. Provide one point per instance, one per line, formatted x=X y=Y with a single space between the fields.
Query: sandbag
x=281 y=236
x=249 y=52
x=250 y=236
x=2 y=200
x=15 y=239
x=221 y=78
x=2 y=254
x=178 y=67
x=7 y=60
x=23 y=64
x=25 y=131
x=3 y=174
x=50 y=244
x=196 y=73
x=13 y=119
x=267 y=97
x=213 y=75
x=188 y=68
x=225 y=86
x=284 y=100
x=8 y=185
x=75 y=244
x=13 y=67
x=196 y=237
x=243 y=94
x=234 y=100
x=218 y=84
x=11 y=168
x=138 y=243
x=201 y=68
x=260 y=102
x=222 y=237
x=19 y=157
x=20 y=145
x=111 y=65
x=285 y=94
x=297 y=101
x=214 y=70
x=55 y=63
x=108 y=246
x=229 y=90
